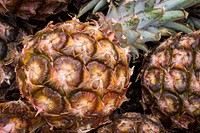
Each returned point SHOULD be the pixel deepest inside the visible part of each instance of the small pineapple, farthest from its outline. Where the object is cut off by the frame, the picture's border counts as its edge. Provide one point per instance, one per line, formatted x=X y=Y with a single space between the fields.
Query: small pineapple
x=74 y=74
x=171 y=80
x=133 y=123
x=18 y=117
x=35 y=9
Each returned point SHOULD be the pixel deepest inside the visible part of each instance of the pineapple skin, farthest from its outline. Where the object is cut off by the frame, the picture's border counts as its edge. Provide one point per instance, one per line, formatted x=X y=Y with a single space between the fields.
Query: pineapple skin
x=18 y=117
x=36 y=9
x=74 y=74
x=170 y=79
x=133 y=123
x=10 y=45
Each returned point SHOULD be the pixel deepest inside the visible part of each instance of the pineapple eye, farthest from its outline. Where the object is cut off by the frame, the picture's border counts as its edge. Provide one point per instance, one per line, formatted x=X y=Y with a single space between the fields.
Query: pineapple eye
x=18 y=123
x=47 y=100
x=125 y=125
x=84 y=103
x=37 y=70
x=180 y=80
x=51 y=44
x=106 y=53
x=194 y=106
x=80 y=46
x=93 y=32
x=153 y=79
x=110 y=101
x=66 y=73
x=59 y=40
x=99 y=75
x=175 y=81
x=160 y=59
x=148 y=126
x=181 y=59
x=169 y=103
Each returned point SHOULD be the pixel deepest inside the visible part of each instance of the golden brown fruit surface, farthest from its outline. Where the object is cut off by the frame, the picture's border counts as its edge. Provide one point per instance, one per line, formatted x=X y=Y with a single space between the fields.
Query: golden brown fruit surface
x=11 y=35
x=74 y=74
x=18 y=117
x=172 y=79
x=133 y=123
x=37 y=9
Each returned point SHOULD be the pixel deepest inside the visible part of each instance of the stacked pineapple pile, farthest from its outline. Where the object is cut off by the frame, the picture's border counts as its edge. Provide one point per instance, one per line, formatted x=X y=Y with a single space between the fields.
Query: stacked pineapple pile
x=73 y=75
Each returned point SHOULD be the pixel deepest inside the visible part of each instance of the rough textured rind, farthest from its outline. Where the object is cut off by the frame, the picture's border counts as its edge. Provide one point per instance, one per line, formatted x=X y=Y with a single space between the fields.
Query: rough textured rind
x=10 y=40
x=18 y=117
x=133 y=123
x=36 y=9
x=74 y=74
x=172 y=77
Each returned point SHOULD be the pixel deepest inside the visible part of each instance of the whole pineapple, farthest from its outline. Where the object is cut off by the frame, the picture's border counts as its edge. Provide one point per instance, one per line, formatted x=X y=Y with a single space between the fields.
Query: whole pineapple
x=18 y=117
x=133 y=123
x=171 y=80
x=35 y=9
x=74 y=74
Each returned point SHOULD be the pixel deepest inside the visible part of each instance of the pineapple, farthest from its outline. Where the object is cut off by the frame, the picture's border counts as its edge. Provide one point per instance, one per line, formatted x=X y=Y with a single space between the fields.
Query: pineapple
x=18 y=117
x=10 y=37
x=133 y=123
x=74 y=74
x=33 y=9
x=171 y=80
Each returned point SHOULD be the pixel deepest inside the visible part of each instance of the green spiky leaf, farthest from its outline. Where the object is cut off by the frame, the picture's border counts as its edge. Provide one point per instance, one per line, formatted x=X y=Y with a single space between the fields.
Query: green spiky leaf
x=178 y=27
x=176 y=4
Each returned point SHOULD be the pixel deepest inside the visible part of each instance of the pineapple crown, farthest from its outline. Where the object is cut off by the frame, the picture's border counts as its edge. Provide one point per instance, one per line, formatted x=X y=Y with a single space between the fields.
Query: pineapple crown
x=136 y=22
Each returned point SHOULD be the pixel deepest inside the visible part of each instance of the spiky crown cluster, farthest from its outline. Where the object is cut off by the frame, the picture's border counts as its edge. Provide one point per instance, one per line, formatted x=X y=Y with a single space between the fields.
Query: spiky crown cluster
x=74 y=74
x=137 y=22
x=172 y=78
